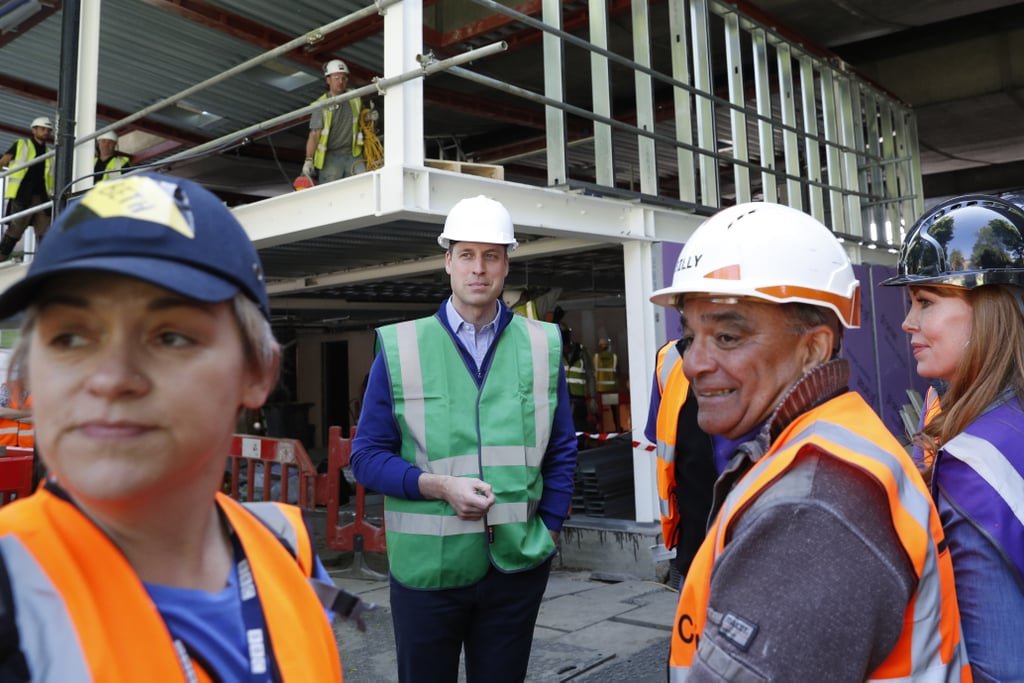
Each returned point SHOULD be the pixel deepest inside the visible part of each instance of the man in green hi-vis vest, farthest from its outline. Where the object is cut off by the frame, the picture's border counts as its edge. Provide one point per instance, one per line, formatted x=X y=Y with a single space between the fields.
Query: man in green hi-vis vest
x=467 y=430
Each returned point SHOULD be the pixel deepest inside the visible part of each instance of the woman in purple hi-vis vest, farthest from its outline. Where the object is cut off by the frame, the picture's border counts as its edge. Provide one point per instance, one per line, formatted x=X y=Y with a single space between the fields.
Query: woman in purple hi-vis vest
x=963 y=263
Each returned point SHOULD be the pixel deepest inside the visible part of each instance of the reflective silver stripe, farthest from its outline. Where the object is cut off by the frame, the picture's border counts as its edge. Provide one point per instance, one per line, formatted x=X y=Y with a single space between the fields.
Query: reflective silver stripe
x=992 y=466
x=663 y=504
x=678 y=674
x=412 y=383
x=443 y=525
x=271 y=516
x=665 y=451
x=508 y=513
x=9 y=430
x=669 y=358
x=512 y=456
x=667 y=363
x=430 y=525
x=926 y=642
x=455 y=466
x=539 y=351
x=47 y=636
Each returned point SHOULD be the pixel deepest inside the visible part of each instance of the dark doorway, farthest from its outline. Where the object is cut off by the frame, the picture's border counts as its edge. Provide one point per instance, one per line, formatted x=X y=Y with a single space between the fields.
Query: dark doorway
x=334 y=382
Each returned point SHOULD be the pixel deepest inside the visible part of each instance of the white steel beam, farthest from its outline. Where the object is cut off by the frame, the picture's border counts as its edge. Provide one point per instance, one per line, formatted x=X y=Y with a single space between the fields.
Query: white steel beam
x=765 y=131
x=707 y=138
x=737 y=115
x=787 y=109
x=600 y=87
x=647 y=159
x=554 y=88
x=812 y=151
x=638 y=262
x=682 y=100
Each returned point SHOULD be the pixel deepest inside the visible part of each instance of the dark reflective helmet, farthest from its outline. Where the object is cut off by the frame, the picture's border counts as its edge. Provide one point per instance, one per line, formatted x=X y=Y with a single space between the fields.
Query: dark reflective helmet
x=968 y=242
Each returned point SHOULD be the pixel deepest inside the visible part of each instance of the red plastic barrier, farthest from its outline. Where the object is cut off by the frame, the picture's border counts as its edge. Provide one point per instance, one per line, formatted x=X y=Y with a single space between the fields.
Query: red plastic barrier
x=260 y=453
x=15 y=473
x=358 y=535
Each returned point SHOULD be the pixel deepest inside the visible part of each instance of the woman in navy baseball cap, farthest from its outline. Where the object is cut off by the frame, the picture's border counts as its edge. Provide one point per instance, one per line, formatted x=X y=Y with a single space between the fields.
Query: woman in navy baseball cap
x=145 y=333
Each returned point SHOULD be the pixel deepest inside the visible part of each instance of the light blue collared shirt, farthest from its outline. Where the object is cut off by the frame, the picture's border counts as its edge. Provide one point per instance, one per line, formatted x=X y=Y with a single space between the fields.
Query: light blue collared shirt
x=477 y=342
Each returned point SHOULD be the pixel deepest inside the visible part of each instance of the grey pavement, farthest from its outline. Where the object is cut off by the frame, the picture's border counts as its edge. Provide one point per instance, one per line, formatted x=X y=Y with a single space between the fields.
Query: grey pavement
x=588 y=631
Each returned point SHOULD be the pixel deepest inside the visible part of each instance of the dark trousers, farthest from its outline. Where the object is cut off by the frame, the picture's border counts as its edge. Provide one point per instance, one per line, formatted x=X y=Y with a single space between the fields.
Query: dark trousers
x=40 y=220
x=493 y=619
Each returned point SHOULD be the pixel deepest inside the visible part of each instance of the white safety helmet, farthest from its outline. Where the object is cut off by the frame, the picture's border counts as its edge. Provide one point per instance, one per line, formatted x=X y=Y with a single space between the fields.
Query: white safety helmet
x=770 y=252
x=335 y=66
x=42 y=122
x=478 y=219
x=109 y=135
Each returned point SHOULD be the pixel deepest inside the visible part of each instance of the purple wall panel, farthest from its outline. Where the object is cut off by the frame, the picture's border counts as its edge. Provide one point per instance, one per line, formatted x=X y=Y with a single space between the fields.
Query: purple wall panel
x=669 y=255
x=896 y=366
x=859 y=347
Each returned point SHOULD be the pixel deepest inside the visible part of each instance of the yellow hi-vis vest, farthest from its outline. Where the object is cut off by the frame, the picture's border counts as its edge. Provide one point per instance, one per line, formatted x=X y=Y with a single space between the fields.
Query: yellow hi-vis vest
x=112 y=167
x=325 y=132
x=498 y=432
x=24 y=152
x=672 y=386
x=930 y=646
x=606 y=365
x=576 y=376
x=526 y=309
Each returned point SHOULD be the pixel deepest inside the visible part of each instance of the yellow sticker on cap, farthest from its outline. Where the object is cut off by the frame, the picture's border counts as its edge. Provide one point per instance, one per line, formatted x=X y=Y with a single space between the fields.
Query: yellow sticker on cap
x=141 y=198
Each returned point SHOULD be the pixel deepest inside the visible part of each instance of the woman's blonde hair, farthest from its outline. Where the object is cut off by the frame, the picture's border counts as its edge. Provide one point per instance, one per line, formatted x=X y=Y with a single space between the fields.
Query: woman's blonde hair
x=993 y=361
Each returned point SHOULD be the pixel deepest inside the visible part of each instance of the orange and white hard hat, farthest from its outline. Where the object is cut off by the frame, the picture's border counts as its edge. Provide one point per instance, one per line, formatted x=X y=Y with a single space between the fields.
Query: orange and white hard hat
x=770 y=252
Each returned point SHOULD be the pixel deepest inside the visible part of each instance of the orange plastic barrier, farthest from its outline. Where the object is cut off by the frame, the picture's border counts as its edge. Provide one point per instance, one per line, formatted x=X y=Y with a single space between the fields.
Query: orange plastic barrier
x=358 y=536
x=15 y=473
x=269 y=463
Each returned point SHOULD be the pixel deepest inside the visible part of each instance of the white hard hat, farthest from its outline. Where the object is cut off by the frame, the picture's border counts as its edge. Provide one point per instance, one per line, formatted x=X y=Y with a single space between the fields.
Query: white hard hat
x=770 y=252
x=478 y=219
x=42 y=122
x=109 y=135
x=335 y=66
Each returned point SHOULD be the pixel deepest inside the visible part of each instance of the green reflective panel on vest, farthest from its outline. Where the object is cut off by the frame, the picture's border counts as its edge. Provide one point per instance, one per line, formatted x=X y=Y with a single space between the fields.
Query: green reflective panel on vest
x=439 y=408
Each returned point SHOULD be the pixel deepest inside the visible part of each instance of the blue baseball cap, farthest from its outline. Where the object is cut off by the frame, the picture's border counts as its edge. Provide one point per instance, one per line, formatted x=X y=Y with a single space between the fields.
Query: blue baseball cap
x=167 y=231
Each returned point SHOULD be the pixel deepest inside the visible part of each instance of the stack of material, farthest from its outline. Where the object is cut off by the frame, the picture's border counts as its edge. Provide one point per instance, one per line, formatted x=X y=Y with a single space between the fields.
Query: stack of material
x=604 y=481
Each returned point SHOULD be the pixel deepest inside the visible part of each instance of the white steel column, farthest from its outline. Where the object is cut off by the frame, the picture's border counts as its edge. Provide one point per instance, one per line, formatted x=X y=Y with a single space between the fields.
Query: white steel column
x=706 y=136
x=604 y=156
x=88 y=76
x=682 y=100
x=812 y=154
x=787 y=109
x=832 y=157
x=638 y=261
x=765 y=133
x=644 y=98
x=554 y=88
x=403 y=113
x=848 y=122
x=737 y=116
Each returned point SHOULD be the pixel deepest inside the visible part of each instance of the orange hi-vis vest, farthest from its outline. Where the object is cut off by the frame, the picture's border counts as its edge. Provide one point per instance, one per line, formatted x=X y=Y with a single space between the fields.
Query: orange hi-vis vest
x=16 y=432
x=932 y=407
x=672 y=386
x=930 y=647
x=84 y=615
